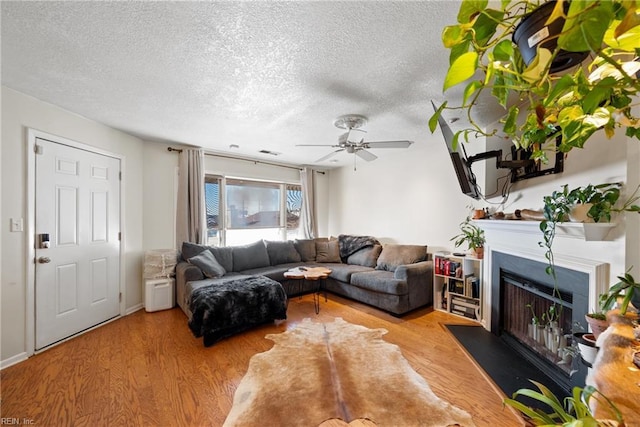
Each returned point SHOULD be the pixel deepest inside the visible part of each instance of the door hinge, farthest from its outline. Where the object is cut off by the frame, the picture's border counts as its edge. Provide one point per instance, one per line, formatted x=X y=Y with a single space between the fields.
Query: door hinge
x=120 y=176
x=38 y=149
x=120 y=296
x=119 y=235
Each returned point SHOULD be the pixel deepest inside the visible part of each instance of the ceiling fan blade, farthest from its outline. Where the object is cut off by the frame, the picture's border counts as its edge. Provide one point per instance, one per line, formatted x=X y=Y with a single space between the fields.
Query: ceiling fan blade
x=388 y=144
x=366 y=155
x=353 y=136
x=316 y=145
x=328 y=156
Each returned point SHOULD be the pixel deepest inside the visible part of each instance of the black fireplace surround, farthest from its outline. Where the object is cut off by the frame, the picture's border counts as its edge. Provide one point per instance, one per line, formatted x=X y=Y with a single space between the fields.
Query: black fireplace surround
x=573 y=284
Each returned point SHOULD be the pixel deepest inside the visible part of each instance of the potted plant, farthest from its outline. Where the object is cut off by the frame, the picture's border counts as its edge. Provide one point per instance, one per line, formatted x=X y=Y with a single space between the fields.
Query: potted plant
x=627 y=288
x=473 y=236
x=574 y=410
x=602 y=200
x=598 y=322
x=626 y=291
x=573 y=105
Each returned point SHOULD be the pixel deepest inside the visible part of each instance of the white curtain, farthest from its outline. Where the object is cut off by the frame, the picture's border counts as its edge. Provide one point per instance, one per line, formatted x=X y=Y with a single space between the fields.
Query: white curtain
x=308 y=224
x=191 y=223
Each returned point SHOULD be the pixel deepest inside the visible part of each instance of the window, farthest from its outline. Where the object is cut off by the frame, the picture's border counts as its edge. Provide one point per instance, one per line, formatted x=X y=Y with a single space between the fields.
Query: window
x=253 y=210
x=212 y=186
x=294 y=205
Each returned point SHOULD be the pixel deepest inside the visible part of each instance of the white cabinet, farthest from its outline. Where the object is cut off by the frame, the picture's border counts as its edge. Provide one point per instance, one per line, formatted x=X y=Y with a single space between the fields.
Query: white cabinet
x=457 y=285
x=159 y=294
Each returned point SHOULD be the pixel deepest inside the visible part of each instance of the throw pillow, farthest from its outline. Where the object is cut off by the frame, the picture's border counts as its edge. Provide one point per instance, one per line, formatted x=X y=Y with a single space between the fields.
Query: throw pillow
x=328 y=251
x=250 y=256
x=282 y=252
x=208 y=264
x=189 y=250
x=306 y=248
x=394 y=255
x=367 y=257
x=224 y=255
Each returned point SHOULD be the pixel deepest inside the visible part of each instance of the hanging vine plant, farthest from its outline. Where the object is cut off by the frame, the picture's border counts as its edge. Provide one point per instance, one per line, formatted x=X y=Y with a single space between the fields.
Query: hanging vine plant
x=598 y=94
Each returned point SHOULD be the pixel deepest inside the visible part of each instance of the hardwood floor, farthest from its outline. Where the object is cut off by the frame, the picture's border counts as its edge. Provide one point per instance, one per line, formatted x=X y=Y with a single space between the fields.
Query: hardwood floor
x=147 y=369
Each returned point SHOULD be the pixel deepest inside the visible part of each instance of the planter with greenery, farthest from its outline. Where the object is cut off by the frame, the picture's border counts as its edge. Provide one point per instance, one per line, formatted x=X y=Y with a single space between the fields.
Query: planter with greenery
x=598 y=95
x=573 y=411
x=626 y=289
x=603 y=200
x=473 y=236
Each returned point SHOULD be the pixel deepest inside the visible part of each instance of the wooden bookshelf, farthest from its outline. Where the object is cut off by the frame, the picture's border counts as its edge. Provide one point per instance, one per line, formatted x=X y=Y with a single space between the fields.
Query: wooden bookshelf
x=457 y=285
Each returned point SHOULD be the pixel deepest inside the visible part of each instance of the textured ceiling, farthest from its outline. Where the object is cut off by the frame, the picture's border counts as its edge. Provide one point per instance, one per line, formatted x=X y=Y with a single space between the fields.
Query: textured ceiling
x=260 y=75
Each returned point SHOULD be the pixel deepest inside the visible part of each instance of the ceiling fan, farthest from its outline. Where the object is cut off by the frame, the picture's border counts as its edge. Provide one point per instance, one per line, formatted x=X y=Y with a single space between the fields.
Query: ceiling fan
x=353 y=142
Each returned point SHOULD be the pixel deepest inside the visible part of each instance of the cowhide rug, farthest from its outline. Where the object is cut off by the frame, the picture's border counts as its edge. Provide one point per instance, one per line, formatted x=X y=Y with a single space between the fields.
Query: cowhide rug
x=324 y=371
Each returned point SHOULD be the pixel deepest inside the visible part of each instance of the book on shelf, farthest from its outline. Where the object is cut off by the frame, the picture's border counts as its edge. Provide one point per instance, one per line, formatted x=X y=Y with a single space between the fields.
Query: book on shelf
x=466 y=302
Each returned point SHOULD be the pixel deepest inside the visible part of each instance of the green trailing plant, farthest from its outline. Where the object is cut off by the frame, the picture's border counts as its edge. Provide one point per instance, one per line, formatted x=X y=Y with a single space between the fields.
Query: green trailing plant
x=573 y=411
x=600 y=94
x=470 y=234
x=557 y=207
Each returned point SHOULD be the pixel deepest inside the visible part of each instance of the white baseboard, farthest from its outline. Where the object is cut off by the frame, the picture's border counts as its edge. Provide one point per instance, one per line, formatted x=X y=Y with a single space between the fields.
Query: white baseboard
x=21 y=357
x=134 y=309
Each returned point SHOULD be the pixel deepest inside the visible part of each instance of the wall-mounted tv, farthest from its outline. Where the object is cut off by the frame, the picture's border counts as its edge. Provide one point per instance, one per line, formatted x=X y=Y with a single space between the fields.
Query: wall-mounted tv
x=466 y=178
x=520 y=164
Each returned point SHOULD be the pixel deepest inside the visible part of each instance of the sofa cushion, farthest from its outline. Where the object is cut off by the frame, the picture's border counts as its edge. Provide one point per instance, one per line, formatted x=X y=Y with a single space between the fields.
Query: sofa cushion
x=275 y=272
x=367 y=257
x=343 y=272
x=282 y=252
x=189 y=250
x=224 y=255
x=379 y=281
x=250 y=256
x=306 y=248
x=208 y=264
x=328 y=251
x=394 y=255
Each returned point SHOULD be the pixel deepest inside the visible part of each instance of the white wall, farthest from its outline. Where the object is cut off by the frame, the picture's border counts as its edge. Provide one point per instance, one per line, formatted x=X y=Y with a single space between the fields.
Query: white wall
x=20 y=112
x=408 y=196
x=159 y=179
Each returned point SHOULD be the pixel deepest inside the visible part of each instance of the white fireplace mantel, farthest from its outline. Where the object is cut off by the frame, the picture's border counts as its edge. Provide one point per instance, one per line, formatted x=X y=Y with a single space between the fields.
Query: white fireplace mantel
x=586 y=231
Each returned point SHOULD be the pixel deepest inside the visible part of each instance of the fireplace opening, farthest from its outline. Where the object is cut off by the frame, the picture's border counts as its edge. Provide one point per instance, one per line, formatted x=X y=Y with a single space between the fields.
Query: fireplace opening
x=536 y=319
x=539 y=318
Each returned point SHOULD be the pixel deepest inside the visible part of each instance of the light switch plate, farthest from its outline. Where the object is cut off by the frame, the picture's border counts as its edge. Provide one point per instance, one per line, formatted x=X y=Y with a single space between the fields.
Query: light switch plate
x=16 y=224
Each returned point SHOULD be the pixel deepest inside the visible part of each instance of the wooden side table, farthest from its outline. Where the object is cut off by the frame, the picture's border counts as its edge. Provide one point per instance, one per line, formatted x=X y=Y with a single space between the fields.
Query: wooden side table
x=317 y=274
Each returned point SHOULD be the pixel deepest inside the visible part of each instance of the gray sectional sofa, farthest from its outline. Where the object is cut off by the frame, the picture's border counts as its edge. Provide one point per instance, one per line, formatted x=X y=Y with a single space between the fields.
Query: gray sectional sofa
x=394 y=278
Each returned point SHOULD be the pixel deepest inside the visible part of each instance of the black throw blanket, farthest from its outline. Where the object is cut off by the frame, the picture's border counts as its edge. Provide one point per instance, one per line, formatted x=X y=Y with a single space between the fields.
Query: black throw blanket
x=351 y=244
x=224 y=309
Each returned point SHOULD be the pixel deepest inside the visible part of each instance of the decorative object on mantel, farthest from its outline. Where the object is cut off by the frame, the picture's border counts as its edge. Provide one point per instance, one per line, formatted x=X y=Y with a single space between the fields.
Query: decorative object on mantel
x=473 y=236
x=572 y=105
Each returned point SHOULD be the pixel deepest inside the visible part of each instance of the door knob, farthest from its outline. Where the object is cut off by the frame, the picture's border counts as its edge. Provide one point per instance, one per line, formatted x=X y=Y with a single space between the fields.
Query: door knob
x=44 y=260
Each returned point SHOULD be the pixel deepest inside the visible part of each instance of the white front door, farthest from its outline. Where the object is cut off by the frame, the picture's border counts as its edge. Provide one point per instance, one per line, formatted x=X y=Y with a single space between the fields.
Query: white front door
x=77 y=277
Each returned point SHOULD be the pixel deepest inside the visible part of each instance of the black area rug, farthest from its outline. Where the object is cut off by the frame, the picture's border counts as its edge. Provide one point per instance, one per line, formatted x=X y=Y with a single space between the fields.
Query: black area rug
x=505 y=366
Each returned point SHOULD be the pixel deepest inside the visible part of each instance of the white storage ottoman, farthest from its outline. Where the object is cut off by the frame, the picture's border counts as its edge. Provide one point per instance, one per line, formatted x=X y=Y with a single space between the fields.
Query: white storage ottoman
x=159 y=294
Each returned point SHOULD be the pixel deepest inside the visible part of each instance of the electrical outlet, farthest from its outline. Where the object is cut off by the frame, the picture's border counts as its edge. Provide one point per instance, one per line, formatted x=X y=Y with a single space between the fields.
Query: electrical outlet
x=16 y=224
